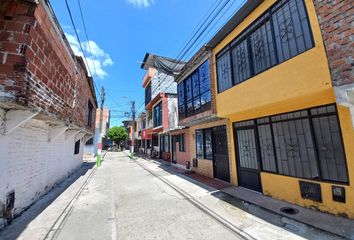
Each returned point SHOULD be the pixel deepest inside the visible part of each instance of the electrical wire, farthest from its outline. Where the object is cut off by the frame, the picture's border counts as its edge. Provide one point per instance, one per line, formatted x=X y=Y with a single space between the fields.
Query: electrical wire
x=88 y=41
x=80 y=44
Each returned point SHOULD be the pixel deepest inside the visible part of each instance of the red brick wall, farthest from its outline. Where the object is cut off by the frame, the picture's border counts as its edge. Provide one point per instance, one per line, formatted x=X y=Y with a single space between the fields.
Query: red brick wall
x=46 y=76
x=336 y=18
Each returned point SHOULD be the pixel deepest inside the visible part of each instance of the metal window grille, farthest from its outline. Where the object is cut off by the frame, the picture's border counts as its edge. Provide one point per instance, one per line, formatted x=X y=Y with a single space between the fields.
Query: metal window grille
x=281 y=33
x=305 y=144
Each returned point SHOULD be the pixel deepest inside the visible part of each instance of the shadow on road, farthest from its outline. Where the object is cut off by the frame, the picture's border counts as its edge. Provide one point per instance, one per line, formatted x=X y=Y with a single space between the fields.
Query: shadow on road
x=22 y=220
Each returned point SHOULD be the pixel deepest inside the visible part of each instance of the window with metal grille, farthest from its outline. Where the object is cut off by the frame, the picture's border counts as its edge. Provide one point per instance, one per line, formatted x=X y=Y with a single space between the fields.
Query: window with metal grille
x=194 y=93
x=305 y=144
x=281 y=33
x=224 y=75
x=77 y=147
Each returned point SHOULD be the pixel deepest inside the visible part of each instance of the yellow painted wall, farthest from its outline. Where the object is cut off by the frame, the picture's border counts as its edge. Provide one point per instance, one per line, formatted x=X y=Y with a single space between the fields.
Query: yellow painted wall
x=299 y=83
x=304 y=75
x=287 y=188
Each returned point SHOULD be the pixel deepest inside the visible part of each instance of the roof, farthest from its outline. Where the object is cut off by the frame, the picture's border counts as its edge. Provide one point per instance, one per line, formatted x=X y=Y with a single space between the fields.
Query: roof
x=236 y=19
x=164 y=64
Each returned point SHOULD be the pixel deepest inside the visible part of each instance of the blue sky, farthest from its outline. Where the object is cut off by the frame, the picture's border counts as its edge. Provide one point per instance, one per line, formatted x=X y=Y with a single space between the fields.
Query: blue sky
x=122 y=31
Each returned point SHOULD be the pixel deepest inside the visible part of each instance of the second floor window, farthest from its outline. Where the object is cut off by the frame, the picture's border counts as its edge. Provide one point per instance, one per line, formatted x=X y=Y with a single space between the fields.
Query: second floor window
x=279 y=34
x=148 y=94
x=194 y=92
x=158 y=115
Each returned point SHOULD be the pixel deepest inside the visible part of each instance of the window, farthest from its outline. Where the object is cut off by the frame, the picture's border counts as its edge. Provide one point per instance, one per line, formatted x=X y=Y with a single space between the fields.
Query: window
x=90 y=141
x=291 y=29
x=164 y=143
x=155 y=141
x=77 y=147
x=194 y=93
x=304 y=144
x=204 y=143
x=262 y=48
x=279 y=34
x=241 y=65
x=199 y=143
x=167 y=143
x=89 y=114
x=181 y=141
x=158 y=115
x=223 y=65
x=148 y=94
x=181 y=100
x=208 y=147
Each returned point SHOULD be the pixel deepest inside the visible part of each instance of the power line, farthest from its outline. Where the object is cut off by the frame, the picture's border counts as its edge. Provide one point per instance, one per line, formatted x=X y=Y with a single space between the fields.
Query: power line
x=201 y=29
x=88 y=41
x=78 y=38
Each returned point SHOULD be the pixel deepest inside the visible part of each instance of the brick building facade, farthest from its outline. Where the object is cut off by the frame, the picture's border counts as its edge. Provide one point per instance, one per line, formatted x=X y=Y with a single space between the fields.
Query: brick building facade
x=336 y=19
x=47 y=104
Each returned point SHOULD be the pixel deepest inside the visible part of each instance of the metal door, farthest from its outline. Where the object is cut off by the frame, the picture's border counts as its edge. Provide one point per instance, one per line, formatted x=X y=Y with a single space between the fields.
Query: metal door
x=247 y=155
x=220 y=154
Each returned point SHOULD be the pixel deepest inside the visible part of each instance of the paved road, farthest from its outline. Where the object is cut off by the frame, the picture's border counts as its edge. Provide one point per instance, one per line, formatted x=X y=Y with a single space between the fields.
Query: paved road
x=123 y=201
x=139 y=199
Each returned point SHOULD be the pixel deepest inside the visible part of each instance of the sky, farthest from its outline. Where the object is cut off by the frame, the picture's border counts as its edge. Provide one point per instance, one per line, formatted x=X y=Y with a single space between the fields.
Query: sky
x=120 y=32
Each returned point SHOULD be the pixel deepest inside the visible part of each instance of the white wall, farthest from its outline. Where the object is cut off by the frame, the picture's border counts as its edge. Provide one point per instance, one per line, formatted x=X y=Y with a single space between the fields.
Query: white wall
x=31 y=165
x=172 y=112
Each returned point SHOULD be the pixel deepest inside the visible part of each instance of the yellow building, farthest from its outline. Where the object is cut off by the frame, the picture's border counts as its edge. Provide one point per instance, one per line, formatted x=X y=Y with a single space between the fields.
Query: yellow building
x=291 y=139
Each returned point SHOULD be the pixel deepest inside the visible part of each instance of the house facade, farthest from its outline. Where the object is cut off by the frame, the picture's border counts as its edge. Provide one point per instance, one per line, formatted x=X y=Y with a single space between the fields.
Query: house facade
x=160 y=102
x=205 y=134
x=47 y=105
x=285 y=84
x=91 y=146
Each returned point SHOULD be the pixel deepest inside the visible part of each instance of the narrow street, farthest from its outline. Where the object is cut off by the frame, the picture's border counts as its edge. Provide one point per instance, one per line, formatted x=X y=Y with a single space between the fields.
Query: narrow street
x=139 y=199
x=123 y=201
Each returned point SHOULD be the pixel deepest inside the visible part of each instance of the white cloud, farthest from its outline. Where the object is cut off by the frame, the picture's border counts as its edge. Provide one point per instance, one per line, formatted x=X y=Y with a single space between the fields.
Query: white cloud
x=141 y=3
x=97 y=58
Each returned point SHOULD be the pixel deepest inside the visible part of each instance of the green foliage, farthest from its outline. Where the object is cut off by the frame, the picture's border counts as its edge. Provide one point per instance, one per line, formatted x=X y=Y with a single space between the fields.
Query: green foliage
x=117 y=134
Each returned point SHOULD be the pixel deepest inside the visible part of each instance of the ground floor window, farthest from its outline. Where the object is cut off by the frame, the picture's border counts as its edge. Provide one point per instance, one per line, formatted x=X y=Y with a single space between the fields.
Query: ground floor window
x=305 y=144
x=181 y=140
x=165 y=143
x=77 y=147
x=204 y=144
x=155 y=140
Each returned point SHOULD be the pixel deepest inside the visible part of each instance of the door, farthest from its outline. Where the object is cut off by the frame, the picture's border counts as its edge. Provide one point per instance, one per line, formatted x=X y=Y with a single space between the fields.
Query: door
x=173 y=149
x=248 y=163
x=220 y=154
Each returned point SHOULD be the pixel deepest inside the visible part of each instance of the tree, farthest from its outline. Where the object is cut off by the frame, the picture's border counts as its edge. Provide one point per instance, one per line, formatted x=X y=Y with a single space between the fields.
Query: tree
x=117 y=134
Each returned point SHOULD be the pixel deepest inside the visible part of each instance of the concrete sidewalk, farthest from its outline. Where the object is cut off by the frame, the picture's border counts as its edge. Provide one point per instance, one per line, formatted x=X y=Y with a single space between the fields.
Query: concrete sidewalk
x=40 y=219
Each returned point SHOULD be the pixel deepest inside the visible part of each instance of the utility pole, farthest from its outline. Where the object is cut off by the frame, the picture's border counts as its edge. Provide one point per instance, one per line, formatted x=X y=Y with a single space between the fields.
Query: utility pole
x=133 y=130
x=99 y=144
